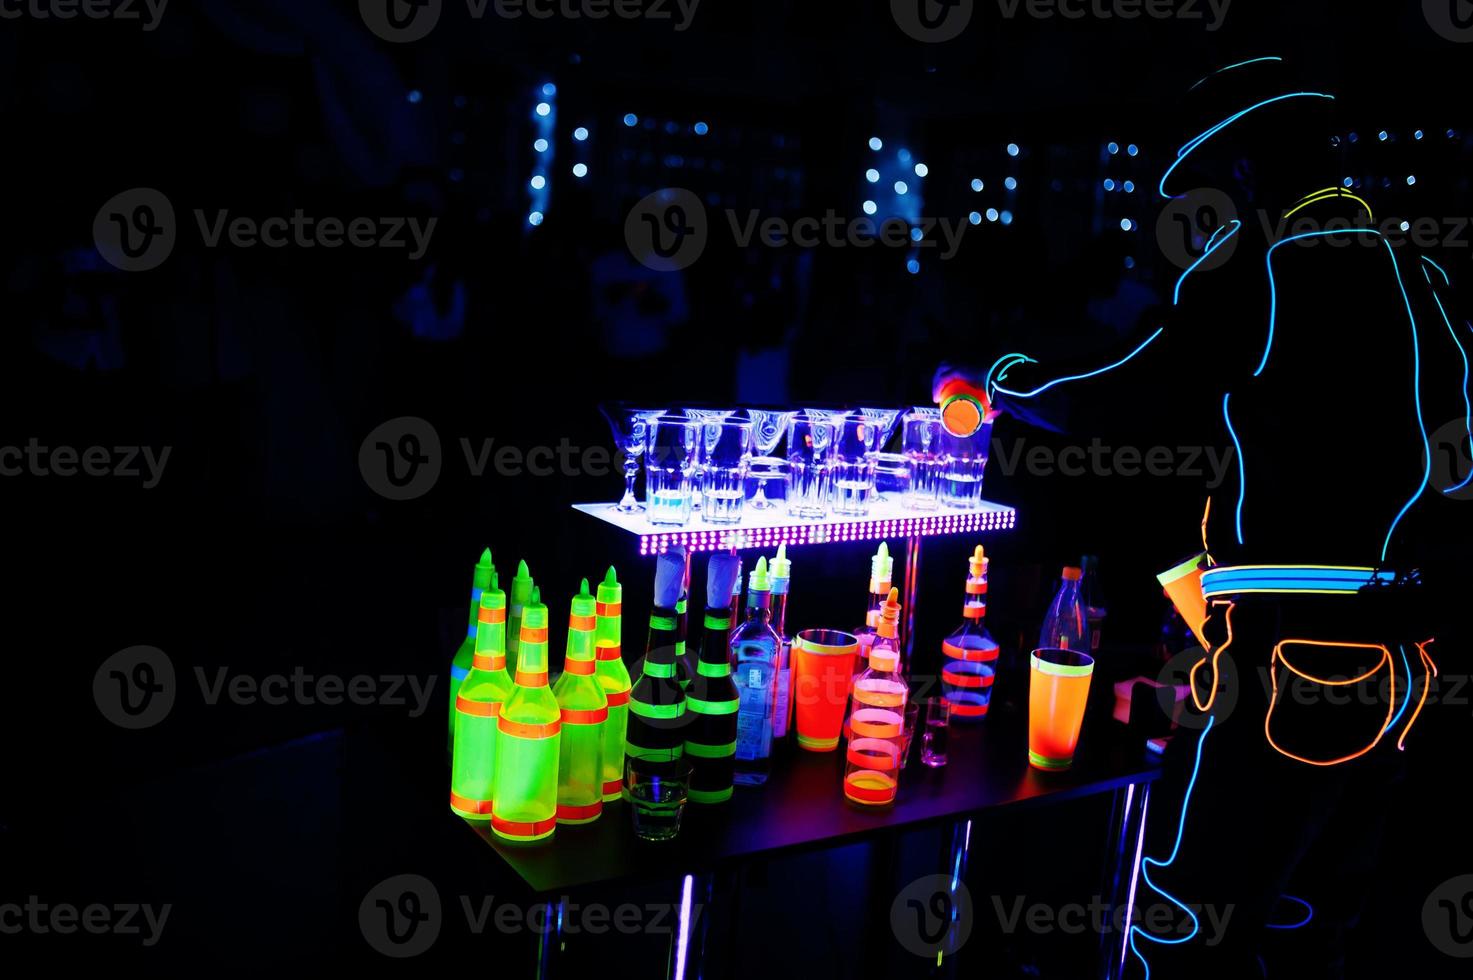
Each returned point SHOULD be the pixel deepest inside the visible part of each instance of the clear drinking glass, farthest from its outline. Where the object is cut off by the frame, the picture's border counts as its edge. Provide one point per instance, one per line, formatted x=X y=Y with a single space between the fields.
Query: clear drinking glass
x=884 y=421
x=704 y=416
x=908 y=729
x=936 y=732
x=767 y=469
x=657 y=793
x=921 y=444
x=810 y=463
x=670 y=460
x=892 y=477
x=963 y=461
x=630 y=427
x=854 y=465
x=728 y=450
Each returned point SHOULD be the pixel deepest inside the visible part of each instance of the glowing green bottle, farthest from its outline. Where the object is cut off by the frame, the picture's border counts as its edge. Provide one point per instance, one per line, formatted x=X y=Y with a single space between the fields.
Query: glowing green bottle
x=712 y=700
x=657 y=704
x=528 y=737
x=613 y=677
x=521 y=594
x=477 y=707
x=585 y=714
x=460 y=665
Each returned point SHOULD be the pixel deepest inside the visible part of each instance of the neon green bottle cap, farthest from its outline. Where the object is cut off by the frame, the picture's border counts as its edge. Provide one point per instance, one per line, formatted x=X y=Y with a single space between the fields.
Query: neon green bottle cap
x=485 y=568
x=583 y=604
x=781 y=566
x=535 y=615
x=759 y=581
x=493 y=598
x=521 y=585
x=610 y=592
x=882 y=566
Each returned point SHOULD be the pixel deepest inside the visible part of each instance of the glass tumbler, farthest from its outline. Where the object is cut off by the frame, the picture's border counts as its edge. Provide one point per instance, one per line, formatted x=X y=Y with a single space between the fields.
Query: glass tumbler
x=963 y=460
x=854 y=465
x=767 y=473
x=921 y=445
x=658 y=793
x=810 y=464
x=728 y=450
x=670 y=460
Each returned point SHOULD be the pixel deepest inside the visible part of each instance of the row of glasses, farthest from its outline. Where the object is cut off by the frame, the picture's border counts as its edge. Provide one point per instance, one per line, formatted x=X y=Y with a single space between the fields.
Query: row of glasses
x=715 y=461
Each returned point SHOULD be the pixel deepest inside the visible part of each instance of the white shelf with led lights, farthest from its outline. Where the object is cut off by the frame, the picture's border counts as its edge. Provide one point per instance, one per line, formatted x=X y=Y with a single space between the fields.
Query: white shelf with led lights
x=768 y=528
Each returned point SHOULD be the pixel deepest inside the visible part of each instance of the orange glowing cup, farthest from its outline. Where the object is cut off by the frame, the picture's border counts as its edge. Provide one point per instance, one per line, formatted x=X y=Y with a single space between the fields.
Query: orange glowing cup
x=1183 y=585
x=1057 y=692
x=823 y=666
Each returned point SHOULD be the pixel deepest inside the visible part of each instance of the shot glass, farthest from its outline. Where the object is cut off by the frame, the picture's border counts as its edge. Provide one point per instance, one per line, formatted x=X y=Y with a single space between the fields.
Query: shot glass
x=658 y=793
x=670 y=460
x=908 y=730
x=935 y=732
x=854 y=466
x=921 y=445
x=892 y=477
x=728 y=451
x=963 y=460
x=1058 y=689
x=810 y=464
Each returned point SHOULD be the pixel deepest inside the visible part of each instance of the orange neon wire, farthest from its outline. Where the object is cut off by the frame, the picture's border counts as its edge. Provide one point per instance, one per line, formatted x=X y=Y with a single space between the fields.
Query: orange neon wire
x=1427 y=662
x=1278 y=657
x=1192 y=677
x=1206 y=512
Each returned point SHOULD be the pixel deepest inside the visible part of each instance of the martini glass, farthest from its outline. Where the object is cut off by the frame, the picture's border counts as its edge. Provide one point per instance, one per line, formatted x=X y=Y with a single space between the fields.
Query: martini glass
x=887 y=465
x=709 y=431
x=768 y=428
x=630 y=427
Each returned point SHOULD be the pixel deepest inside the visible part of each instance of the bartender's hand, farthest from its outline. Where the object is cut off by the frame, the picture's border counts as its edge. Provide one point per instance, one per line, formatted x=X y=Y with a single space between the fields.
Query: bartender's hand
x=987 y=379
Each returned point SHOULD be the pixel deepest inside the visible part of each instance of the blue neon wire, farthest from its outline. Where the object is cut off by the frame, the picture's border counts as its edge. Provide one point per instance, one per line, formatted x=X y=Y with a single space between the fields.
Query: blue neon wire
x=1407 y=698
x=1242 y=467
x=1417 y=399
x=1467 y=403
x=1235 y=224
x=1239 y=64
x=1445 y=280
x=1176 y=848
x=1273 y=288
x=1080 y=377
x=1191 y=146
x=1308 y=917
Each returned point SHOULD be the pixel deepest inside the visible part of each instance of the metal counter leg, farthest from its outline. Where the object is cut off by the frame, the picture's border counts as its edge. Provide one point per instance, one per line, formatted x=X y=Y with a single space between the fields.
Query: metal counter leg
x=1122 y=868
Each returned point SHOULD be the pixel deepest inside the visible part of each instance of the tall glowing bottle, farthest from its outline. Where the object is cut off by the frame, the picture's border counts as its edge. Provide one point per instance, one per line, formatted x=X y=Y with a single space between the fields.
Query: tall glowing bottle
x=754 y=650
x=970 y=664
x=881 y=573
x=528 y=740
x=460 y=664
x=477 y=708
x=585 y=714
x=613 y=677
x=712 y=700
x=782 y=579
x=521 y=594
x=873 y=757
x=657 y=706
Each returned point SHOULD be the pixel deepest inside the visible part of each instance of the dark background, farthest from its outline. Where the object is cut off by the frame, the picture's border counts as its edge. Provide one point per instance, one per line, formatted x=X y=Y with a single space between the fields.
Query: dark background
x=262 y=548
